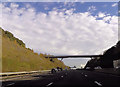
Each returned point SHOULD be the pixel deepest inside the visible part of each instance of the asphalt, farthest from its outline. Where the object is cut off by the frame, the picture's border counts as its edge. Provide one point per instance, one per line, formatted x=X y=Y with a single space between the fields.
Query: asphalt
x=69 y=78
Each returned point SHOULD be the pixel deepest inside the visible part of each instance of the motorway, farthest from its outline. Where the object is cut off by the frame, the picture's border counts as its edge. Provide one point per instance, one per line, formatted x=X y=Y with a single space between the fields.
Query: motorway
x=81 y=78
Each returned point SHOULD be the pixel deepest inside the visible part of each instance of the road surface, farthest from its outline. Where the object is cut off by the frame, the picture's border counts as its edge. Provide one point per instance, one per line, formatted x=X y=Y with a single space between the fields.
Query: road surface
x=72 y=78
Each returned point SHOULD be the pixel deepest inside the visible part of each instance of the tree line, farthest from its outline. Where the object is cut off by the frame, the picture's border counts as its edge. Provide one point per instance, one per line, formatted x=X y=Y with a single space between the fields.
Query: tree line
x=106 y=61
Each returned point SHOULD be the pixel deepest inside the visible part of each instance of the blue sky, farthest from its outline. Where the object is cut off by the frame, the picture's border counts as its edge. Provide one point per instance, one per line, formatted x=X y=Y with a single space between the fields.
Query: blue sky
x=73 y=28
x=105 y=7
x=60 y=0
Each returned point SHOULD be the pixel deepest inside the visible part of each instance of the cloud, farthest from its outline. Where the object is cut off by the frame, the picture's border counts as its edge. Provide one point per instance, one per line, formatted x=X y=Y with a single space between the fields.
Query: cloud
x=92 y=8
x=82 y=2
x=46 y=8
x=115 y=4
x=69 y=4
x=61 y=32
x=101 y=15
x=78 y=62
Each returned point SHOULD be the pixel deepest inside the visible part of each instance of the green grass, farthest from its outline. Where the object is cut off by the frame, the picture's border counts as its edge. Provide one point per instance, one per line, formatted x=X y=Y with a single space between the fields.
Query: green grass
x=16 y=58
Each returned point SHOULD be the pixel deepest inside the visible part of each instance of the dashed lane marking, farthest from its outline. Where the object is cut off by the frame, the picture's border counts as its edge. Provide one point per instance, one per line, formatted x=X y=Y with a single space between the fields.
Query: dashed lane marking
x=10 y=84
x=98 y=83
x=82 y=73
x=85 y=75
x=62 y=76
x=49 y=84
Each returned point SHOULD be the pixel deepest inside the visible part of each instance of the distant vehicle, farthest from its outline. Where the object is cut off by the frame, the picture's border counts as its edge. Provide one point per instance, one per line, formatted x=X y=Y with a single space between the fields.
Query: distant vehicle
x=74 y=68
x=54 y=70
x=98 y=67
x=89 y=68
x=66 y=68
x=59 y=69
x=118 y=67
x=80 y=69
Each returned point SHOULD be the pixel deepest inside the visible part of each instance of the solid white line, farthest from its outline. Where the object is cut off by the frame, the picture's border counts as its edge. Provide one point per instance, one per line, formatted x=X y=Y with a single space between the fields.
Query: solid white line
x=98 y=83
x=49 y=84
x=9 y=73
x=10 y=84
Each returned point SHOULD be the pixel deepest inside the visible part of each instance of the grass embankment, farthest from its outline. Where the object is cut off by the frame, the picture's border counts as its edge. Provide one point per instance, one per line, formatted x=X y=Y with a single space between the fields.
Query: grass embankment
x=17 y=58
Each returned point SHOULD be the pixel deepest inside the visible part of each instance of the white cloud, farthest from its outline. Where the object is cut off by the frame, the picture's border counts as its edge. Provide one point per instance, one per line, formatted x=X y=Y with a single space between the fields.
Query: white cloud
x=13 y=5
x=82 y=2
x=115 y=4
x=46 y=8
x=92 y=8
x=101 y=15
x=69 y=4
x=59 y=33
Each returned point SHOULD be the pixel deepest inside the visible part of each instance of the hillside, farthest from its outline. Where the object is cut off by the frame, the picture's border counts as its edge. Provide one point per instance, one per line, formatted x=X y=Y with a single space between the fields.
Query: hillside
x=16 y=57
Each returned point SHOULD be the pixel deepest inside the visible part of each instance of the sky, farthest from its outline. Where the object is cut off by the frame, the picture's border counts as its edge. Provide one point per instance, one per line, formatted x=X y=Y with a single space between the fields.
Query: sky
x=63 y=28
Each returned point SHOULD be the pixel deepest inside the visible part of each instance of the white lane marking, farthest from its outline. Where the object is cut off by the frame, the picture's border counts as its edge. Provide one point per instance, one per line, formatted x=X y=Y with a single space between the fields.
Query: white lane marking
x=62 y=76
x=49 y=84
x=85 y=75
x=10 y=84
x=98 y=83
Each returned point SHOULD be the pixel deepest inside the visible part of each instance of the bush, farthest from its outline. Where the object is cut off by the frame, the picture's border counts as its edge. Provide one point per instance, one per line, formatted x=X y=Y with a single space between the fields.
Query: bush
x=11 y=37
x=20 y=42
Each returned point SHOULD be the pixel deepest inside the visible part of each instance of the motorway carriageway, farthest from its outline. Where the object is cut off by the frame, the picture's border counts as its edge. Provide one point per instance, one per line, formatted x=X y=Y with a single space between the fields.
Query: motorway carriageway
x=68 y=78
